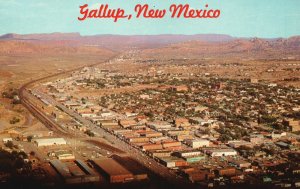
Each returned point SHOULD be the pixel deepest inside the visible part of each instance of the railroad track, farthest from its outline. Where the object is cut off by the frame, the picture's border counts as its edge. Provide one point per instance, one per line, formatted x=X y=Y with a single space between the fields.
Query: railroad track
x=52 y=125
x=48 y=122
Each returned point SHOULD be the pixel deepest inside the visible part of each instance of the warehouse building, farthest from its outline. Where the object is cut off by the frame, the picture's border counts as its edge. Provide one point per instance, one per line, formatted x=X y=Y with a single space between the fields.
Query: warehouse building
x=93 y=175
x=193 y=159
x=49 y=141
x=131 y=165
x=159 y=153
x=115 y=172
x=228 y=171
x=221 y=152
x=62 y=154
x=188 y=153
x=172 y=162
x=159 y=125
x=74 y=173
x=190 y=156
x=198 y=143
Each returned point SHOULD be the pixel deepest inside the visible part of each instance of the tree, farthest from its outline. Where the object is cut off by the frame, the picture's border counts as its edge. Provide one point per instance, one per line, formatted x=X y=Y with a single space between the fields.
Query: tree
x=14 y=120
x=90 y=133
x=4 y=94
x=32 y=153
x=9 y=144
x=23 y=155
x=29 y=138
x=206 y=131
x=19 y=163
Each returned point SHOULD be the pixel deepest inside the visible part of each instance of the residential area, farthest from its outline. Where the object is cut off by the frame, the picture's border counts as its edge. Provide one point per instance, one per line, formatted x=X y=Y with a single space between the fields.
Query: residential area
x=200 y=129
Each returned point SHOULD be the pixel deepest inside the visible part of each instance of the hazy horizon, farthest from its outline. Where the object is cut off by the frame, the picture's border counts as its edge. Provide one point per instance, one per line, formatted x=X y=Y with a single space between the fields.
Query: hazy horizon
x=239 y=18
x=103 y=34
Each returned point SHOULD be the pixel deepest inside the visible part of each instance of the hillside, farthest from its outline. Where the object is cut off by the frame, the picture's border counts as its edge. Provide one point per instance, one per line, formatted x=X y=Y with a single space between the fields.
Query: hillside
x=152 y=46
x=15 y=47
x=245 y=48
x=114 y=42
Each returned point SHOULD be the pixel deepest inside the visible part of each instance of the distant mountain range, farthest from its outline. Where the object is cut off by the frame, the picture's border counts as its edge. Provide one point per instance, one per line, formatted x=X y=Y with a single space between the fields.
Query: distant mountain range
x=151 y=45
x=115 y=41
x=237 y=48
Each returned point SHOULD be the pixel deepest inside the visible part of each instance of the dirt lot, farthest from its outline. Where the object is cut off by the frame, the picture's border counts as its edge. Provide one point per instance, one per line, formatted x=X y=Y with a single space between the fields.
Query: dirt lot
x=16 y=70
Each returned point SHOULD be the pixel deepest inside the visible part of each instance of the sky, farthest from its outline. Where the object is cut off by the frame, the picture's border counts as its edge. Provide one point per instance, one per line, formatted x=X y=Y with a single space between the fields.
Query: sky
x=239 y=18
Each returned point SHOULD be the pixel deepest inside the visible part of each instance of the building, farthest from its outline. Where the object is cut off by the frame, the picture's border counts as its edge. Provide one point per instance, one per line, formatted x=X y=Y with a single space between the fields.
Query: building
x=276 y=135
x=181 y=122
x=254 y=80
x=127 y=123
x=198 y=175
x=115 y=172
x=74 y=173
x=171 y=144
x=63 y=154
x=138 y=139
x=132 y=166
x=5 y=140
x=238 y=143
x=172 y=162
x=194 y=159
x=178 y=132
x=159 y=153
x=256 y=138
x=292 y=125
x=152 y=147
x=49 y=141
x=198 y=143
x=181 y=88
x=183 y=137
x=240 y=163
x=228 y=171
x=188 y=153
x=160 y=125
x=221 y=152
x=87 y=170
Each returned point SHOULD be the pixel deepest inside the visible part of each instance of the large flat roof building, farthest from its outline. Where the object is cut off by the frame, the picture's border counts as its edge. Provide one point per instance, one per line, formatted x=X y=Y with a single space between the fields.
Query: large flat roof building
x=113 y=170
x=74 y=173
x=221 y=152
x=49 y=141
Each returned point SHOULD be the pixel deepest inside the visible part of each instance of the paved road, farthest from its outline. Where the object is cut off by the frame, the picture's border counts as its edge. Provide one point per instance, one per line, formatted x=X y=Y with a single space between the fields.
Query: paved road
x=136 y=154
x=289 y=134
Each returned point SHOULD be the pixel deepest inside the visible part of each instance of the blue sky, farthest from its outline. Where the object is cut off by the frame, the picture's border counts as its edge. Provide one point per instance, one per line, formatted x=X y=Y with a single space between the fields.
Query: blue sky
x=240 y=18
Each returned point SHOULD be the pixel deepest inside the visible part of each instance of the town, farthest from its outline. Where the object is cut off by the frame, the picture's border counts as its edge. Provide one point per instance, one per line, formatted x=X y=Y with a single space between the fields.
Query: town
x=187 y=128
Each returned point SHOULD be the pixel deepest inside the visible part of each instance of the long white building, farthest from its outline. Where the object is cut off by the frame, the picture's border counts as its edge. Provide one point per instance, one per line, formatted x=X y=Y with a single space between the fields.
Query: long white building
x=49 y=141
x=221 y=152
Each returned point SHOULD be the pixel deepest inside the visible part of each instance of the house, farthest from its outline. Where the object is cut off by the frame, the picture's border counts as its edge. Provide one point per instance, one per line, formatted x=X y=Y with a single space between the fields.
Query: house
x=5 y=140
x=197 y=143
x=292 y=125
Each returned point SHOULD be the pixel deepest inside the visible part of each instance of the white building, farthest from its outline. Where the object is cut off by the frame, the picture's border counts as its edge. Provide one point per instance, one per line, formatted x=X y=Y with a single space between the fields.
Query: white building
x=106 y=114
x=198 y=143
x=5 y=140
x=189 y=153
x=62 y=154
x=221 y=152
x=49 y=141
x=159 y=125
